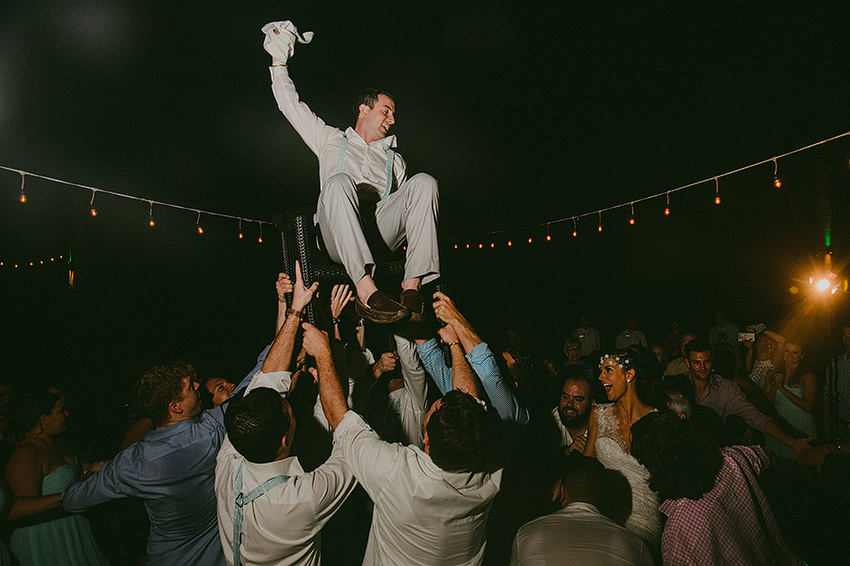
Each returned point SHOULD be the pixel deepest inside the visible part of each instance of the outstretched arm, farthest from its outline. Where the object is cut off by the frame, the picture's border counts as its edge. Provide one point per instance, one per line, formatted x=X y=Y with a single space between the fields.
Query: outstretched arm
x=330 y=390
x=280 y=355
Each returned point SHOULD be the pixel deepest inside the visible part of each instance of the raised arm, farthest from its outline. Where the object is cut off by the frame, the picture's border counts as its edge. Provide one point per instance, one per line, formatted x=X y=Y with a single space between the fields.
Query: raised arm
x=330 y=390
x=482 y=361
x=284 y=286
x=341 y=295
x=280 y=355
x=446 y=311
x=279 y=43
x=463 y=378
x=776 y=359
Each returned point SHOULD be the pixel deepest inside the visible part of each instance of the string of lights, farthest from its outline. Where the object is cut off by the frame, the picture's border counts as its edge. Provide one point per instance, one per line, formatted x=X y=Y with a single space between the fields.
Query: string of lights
x=34 y=263
x=95 y=190
x=777 y=183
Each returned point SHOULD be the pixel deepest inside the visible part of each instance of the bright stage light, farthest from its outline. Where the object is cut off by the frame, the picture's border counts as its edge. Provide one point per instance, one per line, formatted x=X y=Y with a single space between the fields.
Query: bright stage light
x=823 y=284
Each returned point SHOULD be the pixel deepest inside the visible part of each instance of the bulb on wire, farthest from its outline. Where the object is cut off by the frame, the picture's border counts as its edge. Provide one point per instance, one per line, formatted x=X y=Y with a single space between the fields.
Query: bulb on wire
x=667 y=210
x=23 y=197
x=151 y=223
x=92 y=209
x=716 y=191
x=240 y=228
x=777 y=182
x=198 y=224
x=260 y=239
x=575 y=228
x=510 y=243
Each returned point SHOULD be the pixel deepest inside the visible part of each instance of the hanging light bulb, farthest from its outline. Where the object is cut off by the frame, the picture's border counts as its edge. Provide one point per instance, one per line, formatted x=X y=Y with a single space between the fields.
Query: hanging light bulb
x=716 y=191
x=23 y=197
x=575 y=227
x=93 y=210
x=600 y=220
x=240 y=229
x=777 y=182
x=198 y=223
x=667 y=210
x=632 y=217
x=529 y=239
x=510 y=243
x=455 y=246
x=260 y=239
x=492 y=244
x=480 y=246
x=151 y=223
x=548 y=236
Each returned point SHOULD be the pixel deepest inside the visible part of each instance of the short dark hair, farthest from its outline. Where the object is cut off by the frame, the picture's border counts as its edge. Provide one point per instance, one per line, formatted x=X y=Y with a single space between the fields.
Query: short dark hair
x=697 y=345
x=683 y=462
x=584 y=477
x=369 y=97
x=256 y=424
x=159 y=387
x=459 y=434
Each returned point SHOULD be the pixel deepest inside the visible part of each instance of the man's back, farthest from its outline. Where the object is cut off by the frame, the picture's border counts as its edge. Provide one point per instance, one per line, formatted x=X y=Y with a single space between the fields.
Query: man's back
x=172 y=470
x=578 y=534
x=422 y=514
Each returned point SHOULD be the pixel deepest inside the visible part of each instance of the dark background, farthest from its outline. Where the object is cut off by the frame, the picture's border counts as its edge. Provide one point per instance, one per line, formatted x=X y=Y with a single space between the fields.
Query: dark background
x=526 y=113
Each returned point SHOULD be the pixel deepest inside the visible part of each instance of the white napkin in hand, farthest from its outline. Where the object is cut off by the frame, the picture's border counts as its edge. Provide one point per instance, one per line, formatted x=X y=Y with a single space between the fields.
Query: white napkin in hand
x=281 y=37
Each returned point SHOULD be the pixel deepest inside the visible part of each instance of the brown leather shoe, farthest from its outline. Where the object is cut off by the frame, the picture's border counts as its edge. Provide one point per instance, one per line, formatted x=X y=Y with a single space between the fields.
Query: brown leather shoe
x=413 y=301
x=381 y=309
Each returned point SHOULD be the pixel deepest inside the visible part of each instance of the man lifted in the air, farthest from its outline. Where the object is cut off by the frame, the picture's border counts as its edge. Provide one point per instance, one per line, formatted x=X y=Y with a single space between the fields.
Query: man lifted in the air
x=364 y=189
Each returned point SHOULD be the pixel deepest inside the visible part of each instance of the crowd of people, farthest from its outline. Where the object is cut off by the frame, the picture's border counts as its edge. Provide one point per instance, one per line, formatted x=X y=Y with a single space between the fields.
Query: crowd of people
x=450 y=451
x=438 y=448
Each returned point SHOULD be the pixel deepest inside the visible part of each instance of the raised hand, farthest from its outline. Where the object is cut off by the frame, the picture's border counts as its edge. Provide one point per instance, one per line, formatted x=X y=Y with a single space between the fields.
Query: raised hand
x=341 y=295
x=301 y=295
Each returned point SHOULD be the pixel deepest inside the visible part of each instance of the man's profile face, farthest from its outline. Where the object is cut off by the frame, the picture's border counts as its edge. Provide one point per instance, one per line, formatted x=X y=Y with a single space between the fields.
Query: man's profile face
x=574 y=406
x=377 y=121
x=191 y=400
x=700 y=364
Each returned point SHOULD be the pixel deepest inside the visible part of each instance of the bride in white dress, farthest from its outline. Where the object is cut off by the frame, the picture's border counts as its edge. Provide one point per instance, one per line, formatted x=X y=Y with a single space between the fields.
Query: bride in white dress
x=610 y=439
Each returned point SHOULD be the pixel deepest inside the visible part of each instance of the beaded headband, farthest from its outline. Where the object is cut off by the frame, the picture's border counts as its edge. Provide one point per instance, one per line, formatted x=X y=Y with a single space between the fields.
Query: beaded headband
x=624 y=361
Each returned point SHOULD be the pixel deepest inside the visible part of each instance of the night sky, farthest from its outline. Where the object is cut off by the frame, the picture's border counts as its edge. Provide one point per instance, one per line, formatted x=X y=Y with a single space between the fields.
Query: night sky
x=526 y=112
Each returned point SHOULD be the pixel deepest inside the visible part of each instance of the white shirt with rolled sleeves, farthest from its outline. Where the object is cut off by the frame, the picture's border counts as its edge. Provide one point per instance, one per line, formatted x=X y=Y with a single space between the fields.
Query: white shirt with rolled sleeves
x=423 y=515
x=283 y=526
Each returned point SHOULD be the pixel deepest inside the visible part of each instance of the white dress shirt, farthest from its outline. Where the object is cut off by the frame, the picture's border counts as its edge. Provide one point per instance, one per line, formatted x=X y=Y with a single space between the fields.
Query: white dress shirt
x=423 y=515
x=283 y=526
x=578 y=534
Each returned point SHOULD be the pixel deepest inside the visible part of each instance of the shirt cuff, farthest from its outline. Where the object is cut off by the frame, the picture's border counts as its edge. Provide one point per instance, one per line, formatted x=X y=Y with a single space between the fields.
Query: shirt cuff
x=479 y=353
x=280 y=381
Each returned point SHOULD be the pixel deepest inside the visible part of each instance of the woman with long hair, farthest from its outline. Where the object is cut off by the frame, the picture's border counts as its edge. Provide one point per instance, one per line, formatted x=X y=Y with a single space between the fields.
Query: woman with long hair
x=39 y=469
x=793 y=390
x=629 y=389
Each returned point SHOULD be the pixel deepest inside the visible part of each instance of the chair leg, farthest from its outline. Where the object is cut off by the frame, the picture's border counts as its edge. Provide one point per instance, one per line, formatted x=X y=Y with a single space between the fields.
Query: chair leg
x=311 y=313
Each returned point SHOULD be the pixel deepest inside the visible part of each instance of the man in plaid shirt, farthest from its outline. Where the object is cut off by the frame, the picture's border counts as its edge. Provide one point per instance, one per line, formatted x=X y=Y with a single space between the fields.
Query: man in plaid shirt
x=716 y=511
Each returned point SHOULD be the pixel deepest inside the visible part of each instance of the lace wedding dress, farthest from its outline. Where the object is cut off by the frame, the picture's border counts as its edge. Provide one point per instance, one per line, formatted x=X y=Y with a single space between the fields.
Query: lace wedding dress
x=645 y=518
